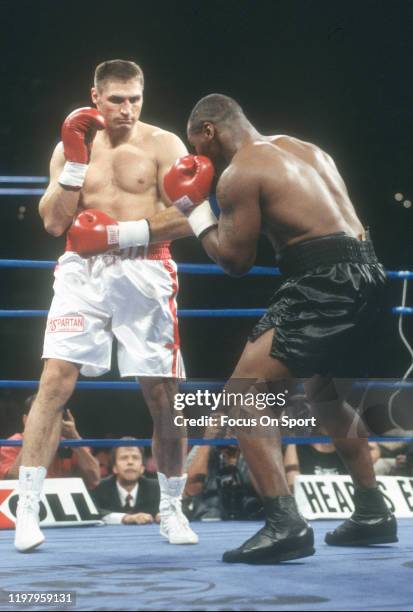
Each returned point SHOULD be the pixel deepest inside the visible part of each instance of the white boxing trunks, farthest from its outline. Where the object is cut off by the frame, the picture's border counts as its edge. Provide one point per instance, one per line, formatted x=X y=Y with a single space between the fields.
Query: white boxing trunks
x=129 y=295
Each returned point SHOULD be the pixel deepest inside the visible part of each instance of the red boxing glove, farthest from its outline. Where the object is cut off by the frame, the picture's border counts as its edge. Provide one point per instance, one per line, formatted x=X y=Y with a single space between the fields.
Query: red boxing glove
x=78 y=131
x=188 y=182
x=94 y=231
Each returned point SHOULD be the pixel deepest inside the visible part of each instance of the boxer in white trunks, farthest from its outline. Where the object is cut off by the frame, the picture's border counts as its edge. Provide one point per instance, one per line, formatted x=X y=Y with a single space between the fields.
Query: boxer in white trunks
x=112 y=162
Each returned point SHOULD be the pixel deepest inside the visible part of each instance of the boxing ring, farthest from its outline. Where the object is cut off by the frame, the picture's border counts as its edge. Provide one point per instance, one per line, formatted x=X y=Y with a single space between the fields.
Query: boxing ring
x=132 y=568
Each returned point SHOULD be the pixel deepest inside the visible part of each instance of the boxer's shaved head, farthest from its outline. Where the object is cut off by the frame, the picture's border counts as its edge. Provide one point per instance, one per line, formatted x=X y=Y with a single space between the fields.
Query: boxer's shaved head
x=215 y=126
x=117 y=70
x=217 y=109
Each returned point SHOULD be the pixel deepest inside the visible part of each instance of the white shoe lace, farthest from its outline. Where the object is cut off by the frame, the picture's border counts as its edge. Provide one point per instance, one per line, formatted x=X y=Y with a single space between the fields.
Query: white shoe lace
x=178 y=514
x=173 y=517
x=28 y=503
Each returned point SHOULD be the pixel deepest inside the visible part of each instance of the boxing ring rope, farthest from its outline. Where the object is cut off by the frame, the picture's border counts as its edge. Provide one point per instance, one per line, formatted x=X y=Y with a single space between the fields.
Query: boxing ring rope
x=205 y=269
x=196 y=269
x=111 y=442
x=188 y=313
x=117 y=385
x=185 y=313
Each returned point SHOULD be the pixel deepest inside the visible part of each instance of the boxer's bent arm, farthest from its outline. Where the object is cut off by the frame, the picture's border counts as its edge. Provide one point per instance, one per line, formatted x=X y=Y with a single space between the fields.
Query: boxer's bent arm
x=233 y=244
x=58 y=206
x=168 y=224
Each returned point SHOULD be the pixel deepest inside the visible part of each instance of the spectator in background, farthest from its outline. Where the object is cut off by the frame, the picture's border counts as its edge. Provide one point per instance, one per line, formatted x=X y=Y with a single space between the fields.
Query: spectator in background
x=316 y=459
x=127 y=497
x=73 y=462
x=219 y=485
x=395 y=459
x=103 y=457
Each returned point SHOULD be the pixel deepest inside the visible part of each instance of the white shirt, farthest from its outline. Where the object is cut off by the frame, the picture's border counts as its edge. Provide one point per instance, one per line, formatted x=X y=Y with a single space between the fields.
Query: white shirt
x=123 y=494
x=115 y=518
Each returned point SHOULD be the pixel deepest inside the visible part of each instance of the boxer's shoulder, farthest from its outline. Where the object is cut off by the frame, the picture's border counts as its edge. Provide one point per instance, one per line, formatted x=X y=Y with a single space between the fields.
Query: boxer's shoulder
x=306 y=151
x=164 y=139
x=252 y=161
x=240 y=178
x=154 y=133
x=162 y=143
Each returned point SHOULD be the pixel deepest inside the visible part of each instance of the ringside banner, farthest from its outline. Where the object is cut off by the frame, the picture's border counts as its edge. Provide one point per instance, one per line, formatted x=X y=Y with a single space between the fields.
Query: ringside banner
x=331 y=497
x=65 y=502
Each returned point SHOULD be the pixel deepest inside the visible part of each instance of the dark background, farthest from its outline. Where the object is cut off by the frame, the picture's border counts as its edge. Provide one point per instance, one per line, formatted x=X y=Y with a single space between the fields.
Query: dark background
x=335 y=73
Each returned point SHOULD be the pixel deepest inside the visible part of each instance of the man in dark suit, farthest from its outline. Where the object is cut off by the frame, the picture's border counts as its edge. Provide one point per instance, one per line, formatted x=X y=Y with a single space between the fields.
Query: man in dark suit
x=127 y=497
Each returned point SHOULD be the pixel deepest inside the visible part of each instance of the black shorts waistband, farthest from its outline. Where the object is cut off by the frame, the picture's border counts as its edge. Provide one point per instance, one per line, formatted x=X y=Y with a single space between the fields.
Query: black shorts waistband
x=326 y=251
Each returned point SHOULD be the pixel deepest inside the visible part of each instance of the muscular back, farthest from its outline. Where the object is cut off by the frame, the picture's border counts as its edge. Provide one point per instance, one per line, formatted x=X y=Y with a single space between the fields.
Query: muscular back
x=301 y=194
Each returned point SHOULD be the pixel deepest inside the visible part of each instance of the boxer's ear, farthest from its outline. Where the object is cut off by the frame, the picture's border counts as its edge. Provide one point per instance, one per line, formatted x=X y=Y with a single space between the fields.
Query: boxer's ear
x=208 y=130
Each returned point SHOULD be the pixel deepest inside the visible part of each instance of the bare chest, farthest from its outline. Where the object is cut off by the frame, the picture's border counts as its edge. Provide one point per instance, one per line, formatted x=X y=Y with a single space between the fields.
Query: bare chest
x=124 y=170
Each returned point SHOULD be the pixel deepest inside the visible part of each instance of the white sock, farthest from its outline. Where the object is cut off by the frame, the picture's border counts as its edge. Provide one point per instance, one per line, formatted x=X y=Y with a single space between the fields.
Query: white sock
x=31 y=480
x=171 y=487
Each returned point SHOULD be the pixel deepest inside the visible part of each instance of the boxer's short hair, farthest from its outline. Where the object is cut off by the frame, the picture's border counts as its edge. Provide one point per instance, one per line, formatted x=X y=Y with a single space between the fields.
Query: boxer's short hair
x=215 y=108
x=118 y=70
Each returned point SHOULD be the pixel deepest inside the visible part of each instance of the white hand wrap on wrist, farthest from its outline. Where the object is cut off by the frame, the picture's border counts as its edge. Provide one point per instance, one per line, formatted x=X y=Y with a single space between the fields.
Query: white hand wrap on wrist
x=202 y=218
x=133 y=233
x=73 y=174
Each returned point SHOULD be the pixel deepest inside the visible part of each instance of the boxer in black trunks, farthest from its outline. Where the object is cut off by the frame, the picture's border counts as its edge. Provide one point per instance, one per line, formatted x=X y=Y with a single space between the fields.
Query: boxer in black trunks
x=292 y=192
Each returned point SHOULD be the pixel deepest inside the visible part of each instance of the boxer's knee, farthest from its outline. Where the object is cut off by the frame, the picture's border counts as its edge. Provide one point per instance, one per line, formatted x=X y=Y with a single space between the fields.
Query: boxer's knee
x=159 y=393
x=57 y=382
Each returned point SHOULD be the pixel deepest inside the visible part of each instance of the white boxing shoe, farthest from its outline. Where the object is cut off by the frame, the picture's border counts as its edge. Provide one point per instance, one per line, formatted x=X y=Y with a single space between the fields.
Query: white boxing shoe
x=174 y=524
x=28 y=535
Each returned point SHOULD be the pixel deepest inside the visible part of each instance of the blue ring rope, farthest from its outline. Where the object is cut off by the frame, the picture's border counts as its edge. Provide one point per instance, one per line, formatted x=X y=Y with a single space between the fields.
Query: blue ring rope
x=110 y=442
x=407 y=310
x=118 y=385
x=201 y=384
x=24 y=179
x=205 y=269
x=187 y=313
x=12 y=191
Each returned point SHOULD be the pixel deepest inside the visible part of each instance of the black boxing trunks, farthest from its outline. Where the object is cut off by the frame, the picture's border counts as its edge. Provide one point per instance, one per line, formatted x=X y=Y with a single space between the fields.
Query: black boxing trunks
x=323 y=311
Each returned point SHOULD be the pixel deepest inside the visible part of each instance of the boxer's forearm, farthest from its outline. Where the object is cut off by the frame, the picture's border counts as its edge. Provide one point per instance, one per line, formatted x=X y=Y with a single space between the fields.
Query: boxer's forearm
x=169 y=224
x=232 y=261
x=57 y=208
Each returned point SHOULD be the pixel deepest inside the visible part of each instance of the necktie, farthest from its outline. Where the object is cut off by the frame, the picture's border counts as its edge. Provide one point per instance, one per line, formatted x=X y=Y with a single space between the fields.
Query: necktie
x=128 y=503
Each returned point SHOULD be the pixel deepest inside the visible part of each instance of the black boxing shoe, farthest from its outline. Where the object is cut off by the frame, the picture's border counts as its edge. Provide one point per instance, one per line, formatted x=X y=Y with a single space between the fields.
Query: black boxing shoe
x=371 y=522
x=285 y=536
